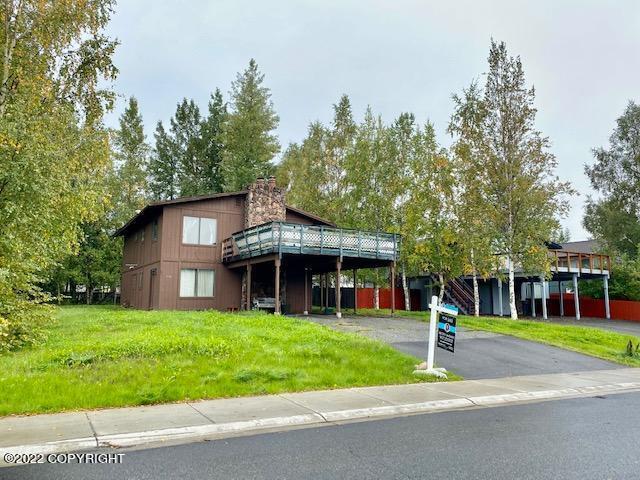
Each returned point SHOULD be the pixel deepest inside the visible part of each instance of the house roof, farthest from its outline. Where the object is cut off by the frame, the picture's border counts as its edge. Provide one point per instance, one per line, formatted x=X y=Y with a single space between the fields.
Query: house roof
x=312 y=216
x=153 y=208
x=582 y=246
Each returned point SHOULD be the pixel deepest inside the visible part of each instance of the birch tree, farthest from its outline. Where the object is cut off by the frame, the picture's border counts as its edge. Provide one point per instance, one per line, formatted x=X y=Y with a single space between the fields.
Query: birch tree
x=521 y=196
x=431 y=212
x=54 y=151
x=614 y=218
x=475 y=229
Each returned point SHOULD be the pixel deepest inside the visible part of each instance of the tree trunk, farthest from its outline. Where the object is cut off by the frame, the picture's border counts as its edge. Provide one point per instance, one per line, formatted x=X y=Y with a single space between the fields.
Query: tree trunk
x=405 y=289
x=376 y=296
x=442 y=285
x=512 y=291
x=88 y=295
x=476 y=294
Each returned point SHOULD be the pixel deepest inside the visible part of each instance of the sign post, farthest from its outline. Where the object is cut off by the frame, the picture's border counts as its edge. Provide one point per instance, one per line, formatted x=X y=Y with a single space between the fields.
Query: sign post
x=446 y=329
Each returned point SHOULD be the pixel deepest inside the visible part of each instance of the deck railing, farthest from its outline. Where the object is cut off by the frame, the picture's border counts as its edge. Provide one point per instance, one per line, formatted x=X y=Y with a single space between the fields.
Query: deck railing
x=282 y=237
x=577 y=262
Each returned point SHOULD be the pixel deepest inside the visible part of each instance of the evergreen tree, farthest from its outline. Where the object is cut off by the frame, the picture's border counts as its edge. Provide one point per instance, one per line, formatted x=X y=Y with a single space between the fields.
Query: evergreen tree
x=340 y=146
x=163 y=167
x=131 y=156
x=250 y=143
x=212 y=138
x=187 y=148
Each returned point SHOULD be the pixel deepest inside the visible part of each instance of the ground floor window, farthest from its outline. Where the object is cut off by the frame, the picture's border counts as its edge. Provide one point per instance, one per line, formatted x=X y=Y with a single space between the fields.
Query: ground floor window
x=196 y=282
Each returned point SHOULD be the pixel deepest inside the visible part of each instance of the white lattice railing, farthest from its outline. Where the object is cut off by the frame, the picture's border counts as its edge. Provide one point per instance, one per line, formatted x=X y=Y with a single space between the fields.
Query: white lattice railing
x=310 y=239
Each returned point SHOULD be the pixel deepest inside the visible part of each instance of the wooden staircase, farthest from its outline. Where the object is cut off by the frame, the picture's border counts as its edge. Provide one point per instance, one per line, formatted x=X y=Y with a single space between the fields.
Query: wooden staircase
x=457 y=292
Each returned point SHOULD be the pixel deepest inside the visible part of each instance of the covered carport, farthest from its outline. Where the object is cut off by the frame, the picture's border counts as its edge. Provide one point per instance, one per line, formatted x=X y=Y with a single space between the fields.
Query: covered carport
x=291 y=254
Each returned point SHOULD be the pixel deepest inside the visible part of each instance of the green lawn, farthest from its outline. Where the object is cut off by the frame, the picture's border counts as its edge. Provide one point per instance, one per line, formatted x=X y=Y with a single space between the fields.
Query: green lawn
x=110 y=356
x=596 y=342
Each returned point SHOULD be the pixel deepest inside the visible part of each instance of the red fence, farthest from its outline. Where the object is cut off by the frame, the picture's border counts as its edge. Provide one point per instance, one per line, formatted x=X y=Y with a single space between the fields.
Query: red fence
x=365 y=298
x=593 y=307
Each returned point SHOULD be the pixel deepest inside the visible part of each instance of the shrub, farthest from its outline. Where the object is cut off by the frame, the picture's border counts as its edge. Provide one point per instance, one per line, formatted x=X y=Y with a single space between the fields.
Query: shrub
x=21 y=322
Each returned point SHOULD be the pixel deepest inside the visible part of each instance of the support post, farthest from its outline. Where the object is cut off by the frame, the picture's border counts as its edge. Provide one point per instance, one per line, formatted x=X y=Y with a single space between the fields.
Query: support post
x=355 y=291
x=430 y=370
x=433 y=320
x=607 y=309
x=544 y=297
x=248 y=286
x=326 y=290
x=393 y=288
x=321 y=282
x=576 y=295
x=500 y=311
x=561 y=298
x=306 y=292
x=338 y=268
x=533 y=299
x=277 y=286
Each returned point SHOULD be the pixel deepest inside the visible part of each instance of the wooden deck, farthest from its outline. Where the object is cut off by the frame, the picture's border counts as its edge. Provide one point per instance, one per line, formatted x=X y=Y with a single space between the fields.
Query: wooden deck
x=294 y=238
x=563 y=261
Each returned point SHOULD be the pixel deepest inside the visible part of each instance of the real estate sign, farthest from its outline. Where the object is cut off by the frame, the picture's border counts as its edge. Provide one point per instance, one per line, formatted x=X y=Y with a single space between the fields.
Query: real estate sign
x=447 y=332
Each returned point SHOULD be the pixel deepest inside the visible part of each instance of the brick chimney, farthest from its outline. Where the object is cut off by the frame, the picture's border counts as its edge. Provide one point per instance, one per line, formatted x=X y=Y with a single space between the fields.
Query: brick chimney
x=265 y=203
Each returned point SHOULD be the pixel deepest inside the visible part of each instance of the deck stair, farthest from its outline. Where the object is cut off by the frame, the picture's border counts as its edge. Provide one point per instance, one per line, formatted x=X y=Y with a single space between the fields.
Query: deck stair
x=458 y=293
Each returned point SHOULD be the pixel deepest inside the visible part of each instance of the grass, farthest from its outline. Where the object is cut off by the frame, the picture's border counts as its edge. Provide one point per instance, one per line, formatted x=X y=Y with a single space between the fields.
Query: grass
x=109 y=356
x=605 y=344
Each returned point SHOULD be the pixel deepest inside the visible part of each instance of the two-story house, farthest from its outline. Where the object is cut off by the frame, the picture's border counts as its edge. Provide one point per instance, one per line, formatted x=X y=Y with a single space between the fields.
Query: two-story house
x=222 y=251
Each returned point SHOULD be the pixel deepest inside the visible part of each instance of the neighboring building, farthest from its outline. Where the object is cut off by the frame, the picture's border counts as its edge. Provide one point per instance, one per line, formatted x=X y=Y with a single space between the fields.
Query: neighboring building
x=569 y=262
x=225 y=251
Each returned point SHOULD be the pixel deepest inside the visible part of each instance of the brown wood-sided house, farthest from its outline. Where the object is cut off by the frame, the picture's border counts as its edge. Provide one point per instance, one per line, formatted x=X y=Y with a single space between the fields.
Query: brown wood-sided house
x=224 y=251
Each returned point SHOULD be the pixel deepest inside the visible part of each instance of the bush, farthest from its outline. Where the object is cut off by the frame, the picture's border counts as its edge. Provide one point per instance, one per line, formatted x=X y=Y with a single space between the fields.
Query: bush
x=624 y=283
x=21 y=322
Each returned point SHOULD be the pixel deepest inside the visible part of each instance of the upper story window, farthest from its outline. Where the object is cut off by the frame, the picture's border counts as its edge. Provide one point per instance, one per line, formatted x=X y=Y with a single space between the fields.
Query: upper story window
x=199 y=230
x=154 y=230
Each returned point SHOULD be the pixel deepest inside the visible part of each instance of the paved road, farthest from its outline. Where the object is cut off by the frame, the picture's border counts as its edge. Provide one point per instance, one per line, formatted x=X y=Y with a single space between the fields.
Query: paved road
x=478 y=354
x=587 y=438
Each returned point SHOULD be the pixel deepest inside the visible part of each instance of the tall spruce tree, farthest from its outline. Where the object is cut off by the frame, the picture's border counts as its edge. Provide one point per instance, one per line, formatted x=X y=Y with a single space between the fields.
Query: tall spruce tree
x=512 y=170
x=187 y=147
x=163 y=167
x=212 y=141
x=131 y=157
x=250 y=142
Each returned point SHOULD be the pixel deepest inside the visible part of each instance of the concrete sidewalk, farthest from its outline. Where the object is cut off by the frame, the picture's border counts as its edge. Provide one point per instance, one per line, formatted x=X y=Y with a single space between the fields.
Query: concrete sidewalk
x=182 y=422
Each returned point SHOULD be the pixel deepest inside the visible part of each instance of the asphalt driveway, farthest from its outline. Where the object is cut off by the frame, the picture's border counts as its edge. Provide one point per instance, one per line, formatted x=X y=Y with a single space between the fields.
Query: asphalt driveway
x=478 y=354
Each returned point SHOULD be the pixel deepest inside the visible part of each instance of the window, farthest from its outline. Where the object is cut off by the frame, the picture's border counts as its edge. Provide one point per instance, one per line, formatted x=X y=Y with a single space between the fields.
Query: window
x=199 y=231
x=140 y=282
x=196 y=282
x=142 y=235
x=154 y=230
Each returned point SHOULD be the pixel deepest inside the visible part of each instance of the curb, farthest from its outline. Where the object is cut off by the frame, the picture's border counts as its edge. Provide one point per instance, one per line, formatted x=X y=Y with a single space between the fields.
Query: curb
x=151 y=437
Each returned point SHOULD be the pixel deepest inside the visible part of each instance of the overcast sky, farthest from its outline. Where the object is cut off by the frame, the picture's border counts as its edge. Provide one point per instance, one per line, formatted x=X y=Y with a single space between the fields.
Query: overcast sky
x=583 y=57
